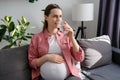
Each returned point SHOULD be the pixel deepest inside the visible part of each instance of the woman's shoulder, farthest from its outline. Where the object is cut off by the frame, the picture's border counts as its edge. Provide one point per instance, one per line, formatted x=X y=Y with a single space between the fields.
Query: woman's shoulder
x=37 y=35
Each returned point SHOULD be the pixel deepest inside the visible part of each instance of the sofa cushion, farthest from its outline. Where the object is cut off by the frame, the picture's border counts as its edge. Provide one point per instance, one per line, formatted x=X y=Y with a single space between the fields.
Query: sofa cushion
x=84 y=77
x=98 y=51
x=116 y=55
x=108 y=72
x=14 y=64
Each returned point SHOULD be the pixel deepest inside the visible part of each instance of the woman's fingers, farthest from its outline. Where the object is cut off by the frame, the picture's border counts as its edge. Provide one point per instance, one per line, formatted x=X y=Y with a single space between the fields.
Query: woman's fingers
x=54 y=57
x=59 y=59
x=67 y=27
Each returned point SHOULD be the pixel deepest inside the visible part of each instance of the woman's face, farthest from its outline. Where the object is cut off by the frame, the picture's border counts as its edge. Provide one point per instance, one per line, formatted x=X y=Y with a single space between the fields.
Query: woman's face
x=54 y=18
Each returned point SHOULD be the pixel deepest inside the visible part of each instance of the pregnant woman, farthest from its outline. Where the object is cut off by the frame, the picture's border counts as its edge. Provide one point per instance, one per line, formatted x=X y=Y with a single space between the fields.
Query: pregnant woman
x=52 y=53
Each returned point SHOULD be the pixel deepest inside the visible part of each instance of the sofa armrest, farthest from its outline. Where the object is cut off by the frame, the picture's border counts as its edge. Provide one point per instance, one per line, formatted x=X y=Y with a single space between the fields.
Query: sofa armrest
x=116 y=55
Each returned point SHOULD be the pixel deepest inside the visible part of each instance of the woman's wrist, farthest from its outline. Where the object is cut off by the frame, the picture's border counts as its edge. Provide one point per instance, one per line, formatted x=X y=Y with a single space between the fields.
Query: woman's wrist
x=75 y=44
x=42 y=60
x=47 y=56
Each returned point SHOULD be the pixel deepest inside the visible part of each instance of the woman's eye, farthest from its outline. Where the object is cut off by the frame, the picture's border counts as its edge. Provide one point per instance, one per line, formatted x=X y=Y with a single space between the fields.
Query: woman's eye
x=55 y=16
x=60 y=15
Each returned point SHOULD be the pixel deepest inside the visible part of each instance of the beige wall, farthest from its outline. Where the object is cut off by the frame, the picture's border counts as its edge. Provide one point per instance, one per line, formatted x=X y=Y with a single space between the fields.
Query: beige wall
x=32 y=12
x=92 y=25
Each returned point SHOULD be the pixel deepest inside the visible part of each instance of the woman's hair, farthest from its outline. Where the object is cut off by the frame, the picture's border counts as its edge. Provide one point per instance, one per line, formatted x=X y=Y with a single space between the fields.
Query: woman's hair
x=47 y=12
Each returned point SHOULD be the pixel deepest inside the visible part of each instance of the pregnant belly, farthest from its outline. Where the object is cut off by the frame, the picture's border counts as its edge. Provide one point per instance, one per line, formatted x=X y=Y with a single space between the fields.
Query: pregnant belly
x=53 y=71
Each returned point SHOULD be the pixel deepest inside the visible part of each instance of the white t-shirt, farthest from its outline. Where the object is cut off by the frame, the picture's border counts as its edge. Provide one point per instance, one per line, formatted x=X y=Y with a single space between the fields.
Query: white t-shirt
x=50 y=70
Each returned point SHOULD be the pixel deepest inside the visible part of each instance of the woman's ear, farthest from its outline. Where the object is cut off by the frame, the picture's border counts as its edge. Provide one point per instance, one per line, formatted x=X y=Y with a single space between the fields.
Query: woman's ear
x=45 y=17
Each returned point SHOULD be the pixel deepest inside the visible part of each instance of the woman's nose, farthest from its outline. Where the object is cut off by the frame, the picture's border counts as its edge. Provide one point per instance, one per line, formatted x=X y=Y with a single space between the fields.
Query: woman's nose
x=59 y=19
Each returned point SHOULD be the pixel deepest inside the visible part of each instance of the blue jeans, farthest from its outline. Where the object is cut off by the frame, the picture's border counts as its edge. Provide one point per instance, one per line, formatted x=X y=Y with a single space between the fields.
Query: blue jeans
x=71 y=77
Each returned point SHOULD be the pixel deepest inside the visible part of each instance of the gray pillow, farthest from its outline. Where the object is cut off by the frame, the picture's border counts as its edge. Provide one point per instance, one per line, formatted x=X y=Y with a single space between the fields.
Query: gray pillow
x=98 y=51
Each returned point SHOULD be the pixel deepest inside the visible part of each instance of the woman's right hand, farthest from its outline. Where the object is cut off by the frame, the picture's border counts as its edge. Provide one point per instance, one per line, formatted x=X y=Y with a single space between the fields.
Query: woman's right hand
x=56 y=58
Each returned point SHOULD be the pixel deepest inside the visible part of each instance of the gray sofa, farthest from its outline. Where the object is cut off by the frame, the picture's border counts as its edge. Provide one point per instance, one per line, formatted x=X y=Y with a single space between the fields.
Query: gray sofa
x=102 y=62
x=106 y=72
x=14 y=66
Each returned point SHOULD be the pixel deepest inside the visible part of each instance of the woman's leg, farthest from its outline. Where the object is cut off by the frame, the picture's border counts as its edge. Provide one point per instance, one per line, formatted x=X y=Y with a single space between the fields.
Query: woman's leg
x=71 y=77
x=40 y=78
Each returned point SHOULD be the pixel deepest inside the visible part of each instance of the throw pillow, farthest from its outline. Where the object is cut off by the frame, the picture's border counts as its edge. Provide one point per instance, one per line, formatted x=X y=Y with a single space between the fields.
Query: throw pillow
x=98 y=51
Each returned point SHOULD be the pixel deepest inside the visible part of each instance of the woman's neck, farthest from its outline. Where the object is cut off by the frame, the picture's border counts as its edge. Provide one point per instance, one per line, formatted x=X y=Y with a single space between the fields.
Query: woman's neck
x=52 y=31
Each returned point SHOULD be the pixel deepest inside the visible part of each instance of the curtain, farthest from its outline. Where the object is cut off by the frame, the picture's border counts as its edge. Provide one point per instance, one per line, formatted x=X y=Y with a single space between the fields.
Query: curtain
x=109 y=20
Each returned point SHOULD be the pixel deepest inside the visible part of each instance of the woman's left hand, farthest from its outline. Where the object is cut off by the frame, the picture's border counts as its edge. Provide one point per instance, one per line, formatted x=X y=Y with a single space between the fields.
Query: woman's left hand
x=69 y=31
x=70 y=34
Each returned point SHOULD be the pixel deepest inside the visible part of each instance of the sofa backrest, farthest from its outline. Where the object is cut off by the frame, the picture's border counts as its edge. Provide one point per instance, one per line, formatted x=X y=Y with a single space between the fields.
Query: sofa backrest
x=14 y=64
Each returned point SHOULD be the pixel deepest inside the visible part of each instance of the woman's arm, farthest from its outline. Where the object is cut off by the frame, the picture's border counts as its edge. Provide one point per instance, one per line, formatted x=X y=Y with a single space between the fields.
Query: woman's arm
x=75 y=45
x=52 y=57
x=41 y=60
x=76 y=50
x=71 y=36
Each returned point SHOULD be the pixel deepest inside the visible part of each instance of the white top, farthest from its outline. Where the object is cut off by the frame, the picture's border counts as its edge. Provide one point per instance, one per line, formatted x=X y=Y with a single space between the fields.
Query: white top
x=53 y=71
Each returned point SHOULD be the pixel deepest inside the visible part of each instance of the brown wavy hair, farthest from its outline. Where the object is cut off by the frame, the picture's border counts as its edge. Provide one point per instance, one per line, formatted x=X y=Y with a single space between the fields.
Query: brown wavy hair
x=47 y=12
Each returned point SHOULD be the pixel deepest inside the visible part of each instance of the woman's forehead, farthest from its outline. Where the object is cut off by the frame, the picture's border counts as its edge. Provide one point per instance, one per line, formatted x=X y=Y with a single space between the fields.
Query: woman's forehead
x=56 y=11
